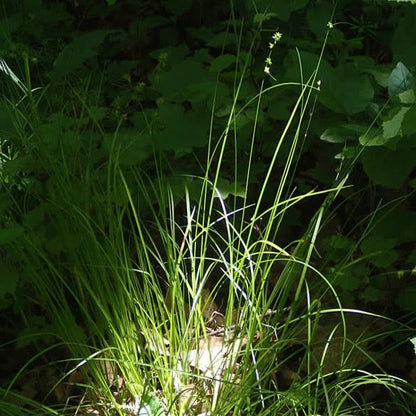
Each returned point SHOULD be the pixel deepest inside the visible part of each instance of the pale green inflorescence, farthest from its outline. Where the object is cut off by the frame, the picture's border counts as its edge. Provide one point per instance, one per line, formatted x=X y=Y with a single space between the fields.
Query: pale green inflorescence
x=275 y=38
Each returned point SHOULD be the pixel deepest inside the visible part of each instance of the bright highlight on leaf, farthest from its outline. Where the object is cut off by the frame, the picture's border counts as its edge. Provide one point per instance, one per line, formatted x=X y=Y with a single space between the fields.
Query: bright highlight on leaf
x=400 y=80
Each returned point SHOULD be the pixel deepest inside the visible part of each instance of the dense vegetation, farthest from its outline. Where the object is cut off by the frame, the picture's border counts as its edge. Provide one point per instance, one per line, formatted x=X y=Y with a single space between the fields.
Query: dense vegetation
x=207 y=207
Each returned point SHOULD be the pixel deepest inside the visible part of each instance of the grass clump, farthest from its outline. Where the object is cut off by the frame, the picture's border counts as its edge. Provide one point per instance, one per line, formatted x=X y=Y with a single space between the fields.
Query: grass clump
x=172 y=297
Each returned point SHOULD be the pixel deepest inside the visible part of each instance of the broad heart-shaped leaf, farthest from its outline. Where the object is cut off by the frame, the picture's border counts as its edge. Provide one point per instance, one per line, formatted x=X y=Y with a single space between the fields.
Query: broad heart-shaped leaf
x=318 y=15
x=333 y=135
x=181 y=131
x=379 y=250
x=227 y=188
x=148 y=406
x=130 y=145
x=403 y=41
x=78 y=51
x=345 y=90
x=393 y=126
x=222 y=62
x=183 y=73
x=342 y=133
x=263 y=17
x=400 y=80
x=373 y=137
x=386 y=167
x=398 y=224
x=9 y=234
x=283 y=9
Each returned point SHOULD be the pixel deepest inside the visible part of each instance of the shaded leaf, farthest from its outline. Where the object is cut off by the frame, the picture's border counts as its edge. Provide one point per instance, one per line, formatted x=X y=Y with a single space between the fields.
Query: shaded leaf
x=282 y=9
x=333 y=135
x=379 y=250
x=409 y=122
x=406 y=298
x=178 y=6
x=181 y=131
x=9 y=234
x=403 y=44
x=387 y=167
x=79 y=50
x=222 y=62
x=318 y=15
x=263 y=17
x=399 y=224
x=351 y=90
x=342 y=133
x=8 y=281
x=174 y=84
x=227 y=188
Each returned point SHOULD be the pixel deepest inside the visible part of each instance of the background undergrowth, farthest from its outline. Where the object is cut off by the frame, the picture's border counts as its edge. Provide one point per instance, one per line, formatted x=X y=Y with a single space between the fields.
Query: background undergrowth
x=199 y=202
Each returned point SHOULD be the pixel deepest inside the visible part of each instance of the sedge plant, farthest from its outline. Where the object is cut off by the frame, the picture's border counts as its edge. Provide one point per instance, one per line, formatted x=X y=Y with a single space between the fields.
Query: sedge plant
x=173 y=300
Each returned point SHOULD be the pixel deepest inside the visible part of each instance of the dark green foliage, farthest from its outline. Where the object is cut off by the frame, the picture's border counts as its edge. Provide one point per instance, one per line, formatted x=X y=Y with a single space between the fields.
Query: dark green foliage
x=92 y=89
x=162 y=74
